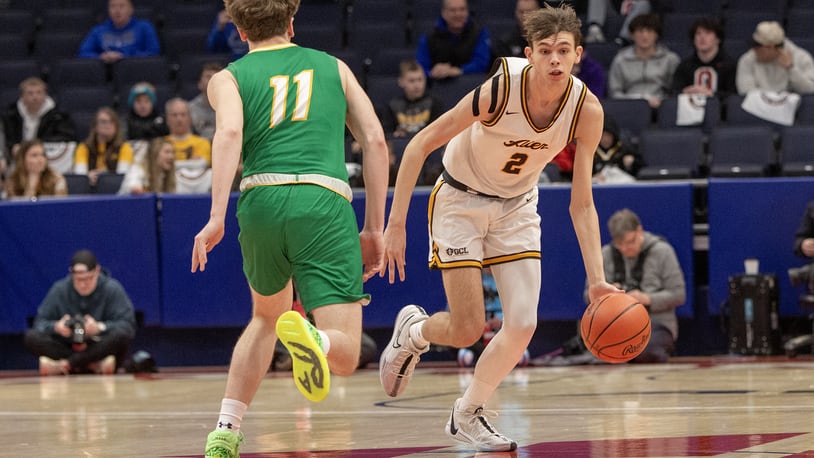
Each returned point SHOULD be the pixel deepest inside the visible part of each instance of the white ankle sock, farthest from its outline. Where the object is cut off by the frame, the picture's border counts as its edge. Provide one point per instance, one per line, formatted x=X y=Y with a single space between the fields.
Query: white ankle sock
x=231 y=414
x=326 y=343
x=415 y=335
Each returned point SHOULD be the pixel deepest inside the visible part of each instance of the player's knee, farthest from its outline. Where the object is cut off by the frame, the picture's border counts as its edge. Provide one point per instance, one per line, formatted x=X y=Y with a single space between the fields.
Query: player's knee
x=467 y=336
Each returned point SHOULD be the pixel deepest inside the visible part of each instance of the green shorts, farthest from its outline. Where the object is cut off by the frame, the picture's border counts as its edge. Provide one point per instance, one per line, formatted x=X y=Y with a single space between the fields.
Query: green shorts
x=302 y=231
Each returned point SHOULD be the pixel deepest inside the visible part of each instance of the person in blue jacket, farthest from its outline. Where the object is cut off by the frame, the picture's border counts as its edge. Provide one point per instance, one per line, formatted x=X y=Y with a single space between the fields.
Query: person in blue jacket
x=121 y=35
x=456 y=45
x=223 y=37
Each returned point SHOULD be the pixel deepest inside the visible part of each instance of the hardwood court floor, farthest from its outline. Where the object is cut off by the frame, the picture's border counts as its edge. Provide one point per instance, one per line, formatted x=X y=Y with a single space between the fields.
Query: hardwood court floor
x=725 y=407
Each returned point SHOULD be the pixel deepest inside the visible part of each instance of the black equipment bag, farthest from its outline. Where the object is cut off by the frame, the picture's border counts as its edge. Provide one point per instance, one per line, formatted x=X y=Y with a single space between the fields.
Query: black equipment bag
x=753 y=317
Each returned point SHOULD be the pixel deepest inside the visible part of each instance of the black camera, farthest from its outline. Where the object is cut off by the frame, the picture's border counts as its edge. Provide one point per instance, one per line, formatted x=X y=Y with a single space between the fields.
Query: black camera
x=77 y=325
x=804 y=276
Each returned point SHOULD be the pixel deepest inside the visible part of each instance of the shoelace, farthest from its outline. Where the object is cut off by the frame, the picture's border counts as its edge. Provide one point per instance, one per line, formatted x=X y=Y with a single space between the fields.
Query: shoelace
x=219 y=452
x=481 y=415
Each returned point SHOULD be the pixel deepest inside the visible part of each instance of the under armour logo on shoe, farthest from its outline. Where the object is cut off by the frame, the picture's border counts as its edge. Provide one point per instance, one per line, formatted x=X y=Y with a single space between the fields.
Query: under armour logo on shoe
x=225 y=425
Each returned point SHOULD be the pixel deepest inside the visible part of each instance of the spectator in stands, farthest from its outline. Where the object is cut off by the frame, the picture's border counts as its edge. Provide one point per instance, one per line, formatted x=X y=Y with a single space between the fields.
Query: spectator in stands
x=597 y=15
x=647 y=268
x=121 y=35
x=415 y=107
x=187 y=145
x=511 y=43
x=144 y=122
x=456 y=45
x=223 y=38
x=156 y=173
x=93 y=300
x=614 y=160
x=709 y=70
x=645 y=69
x=592 y=73
x=105 y=150
x=203 y=116
x=33 y=177
x=774 y=63
x=36 y=116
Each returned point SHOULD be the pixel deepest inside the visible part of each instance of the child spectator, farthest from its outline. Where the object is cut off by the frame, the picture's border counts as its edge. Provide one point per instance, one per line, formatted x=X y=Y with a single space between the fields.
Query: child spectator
x=32 y=177
x=143 y=121
x=415 y=108
x=614 y=161
x=105 y=150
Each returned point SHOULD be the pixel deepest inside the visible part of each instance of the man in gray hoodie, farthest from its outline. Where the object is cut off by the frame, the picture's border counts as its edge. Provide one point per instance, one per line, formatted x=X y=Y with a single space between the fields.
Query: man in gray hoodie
x=646 y=267
x=84 y=323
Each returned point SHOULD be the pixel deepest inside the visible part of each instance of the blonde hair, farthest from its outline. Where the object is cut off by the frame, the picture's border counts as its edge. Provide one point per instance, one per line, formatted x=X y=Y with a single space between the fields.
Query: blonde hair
x=159 y=180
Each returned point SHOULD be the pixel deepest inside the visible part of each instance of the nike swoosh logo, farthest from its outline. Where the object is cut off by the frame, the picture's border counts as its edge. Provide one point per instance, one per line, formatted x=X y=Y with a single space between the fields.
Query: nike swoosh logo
x=401 y=326
x=452 y=427
x=528 y=199
x=511 y=112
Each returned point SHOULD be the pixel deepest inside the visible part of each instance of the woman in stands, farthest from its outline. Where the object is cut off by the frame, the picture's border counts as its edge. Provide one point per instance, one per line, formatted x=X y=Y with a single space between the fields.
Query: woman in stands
x=105 y=150
x=156 y=173
x=32 y=177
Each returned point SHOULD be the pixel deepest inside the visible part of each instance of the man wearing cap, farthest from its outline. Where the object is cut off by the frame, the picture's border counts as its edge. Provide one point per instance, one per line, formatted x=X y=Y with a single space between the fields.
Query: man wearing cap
x=84 y=324
x=774 y=63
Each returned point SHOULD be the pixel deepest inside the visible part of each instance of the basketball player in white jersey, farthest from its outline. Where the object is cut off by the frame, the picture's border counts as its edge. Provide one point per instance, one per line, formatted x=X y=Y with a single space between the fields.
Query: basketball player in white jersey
x=483 y=212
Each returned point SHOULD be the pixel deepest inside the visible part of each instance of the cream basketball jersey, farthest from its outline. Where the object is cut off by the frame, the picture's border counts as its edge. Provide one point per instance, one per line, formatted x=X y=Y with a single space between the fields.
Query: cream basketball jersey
x=504 y=157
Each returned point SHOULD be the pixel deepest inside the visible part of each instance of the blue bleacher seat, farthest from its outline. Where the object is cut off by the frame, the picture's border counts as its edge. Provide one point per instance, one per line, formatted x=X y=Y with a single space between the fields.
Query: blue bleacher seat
x=386 y=61
x=672 y=153
x=155 y=69
x=14 y=46
x=77 y=184
x=70 y=19
x=13 y=72
x=52 y=46
x=178 y=42
x=741 y=151
x=631 y=115
x=668 y=111
x=77 y=71
x=84 y=98
x=797 y=155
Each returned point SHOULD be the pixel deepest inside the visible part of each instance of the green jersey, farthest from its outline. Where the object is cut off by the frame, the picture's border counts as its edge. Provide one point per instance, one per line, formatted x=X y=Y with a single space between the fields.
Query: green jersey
x=294 y=111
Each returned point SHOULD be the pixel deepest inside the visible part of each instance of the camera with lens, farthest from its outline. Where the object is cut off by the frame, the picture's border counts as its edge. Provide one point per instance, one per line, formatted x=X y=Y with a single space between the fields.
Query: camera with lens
x=77 y=325
x=804 y=276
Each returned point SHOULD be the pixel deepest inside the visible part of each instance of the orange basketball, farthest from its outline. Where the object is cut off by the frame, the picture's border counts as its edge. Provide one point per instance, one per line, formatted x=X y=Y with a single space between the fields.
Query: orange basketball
x=616 y=328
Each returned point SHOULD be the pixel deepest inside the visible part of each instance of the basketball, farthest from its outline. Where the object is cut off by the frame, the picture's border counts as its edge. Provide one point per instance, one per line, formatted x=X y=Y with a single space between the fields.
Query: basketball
x=615 y=328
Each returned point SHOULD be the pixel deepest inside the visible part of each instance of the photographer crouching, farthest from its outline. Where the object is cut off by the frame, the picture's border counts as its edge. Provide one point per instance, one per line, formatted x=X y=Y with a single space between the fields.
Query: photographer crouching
x=804 y=248
x=85 y=323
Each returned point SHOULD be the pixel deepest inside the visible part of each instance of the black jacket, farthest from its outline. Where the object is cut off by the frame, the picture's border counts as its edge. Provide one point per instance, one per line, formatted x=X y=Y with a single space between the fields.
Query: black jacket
x=55 y=126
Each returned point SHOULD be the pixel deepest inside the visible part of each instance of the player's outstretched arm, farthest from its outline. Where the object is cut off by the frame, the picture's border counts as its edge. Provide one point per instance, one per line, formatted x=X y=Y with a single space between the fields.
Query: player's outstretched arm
x=582 y=208
x=367 y=130
x=427 y=140
x=226 y=145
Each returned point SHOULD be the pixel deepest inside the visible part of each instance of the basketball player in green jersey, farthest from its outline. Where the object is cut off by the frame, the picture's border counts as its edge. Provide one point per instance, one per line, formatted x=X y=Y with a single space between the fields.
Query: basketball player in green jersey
x=483 y=212
x=286 y=108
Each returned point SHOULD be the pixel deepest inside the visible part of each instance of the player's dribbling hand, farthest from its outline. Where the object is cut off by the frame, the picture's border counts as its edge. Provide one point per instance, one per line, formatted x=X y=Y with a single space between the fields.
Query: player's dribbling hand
x=205 y=241
x=395 y=244
x=600 y=289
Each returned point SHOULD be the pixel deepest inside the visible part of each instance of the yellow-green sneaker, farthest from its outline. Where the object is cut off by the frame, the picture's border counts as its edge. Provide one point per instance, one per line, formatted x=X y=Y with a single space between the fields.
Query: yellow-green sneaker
x=223 y=444
x=311 y=373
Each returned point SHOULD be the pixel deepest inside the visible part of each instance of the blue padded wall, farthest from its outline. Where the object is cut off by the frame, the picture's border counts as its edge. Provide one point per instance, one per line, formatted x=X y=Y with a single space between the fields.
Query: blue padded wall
x=755 y=218
x=37 y=240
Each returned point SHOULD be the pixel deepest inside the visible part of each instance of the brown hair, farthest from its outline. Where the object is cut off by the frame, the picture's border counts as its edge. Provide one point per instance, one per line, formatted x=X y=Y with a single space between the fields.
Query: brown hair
x=545 y=22
x=112 y=148
x=18 y=181
x=409 y=65
x=159 y=180
x=262 y=19
x=623 y=222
